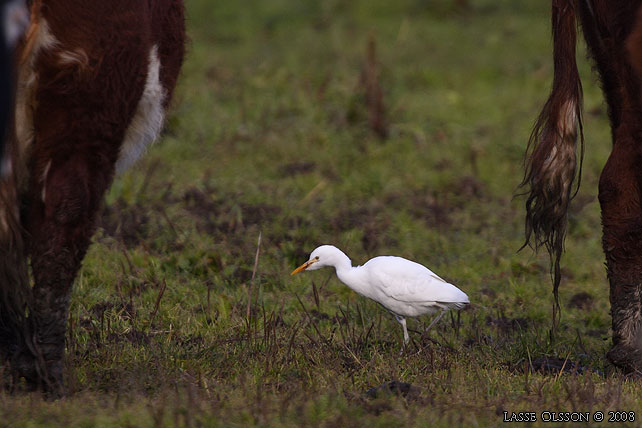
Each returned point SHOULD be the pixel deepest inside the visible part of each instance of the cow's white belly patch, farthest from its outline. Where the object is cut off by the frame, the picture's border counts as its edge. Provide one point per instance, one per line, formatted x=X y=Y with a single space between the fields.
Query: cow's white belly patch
x=147 y=122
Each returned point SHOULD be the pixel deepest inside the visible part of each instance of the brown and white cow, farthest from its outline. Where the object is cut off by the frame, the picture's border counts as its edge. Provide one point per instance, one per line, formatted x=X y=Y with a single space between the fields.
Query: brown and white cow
x=93 y=81
x=613 y=33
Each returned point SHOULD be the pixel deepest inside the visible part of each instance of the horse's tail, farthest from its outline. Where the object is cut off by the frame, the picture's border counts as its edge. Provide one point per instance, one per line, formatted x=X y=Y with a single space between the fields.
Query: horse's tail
x=551 y=157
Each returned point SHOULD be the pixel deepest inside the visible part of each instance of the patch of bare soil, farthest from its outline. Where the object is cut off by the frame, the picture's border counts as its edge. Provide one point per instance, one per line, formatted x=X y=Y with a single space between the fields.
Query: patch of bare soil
x=582 y=300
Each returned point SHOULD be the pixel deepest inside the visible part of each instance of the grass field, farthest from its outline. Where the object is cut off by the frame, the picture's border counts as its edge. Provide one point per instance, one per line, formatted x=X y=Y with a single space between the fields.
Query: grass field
x=269 y=135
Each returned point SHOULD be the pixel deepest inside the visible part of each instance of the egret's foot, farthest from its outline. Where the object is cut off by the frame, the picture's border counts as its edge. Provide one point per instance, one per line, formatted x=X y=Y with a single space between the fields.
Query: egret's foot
x=405 y=349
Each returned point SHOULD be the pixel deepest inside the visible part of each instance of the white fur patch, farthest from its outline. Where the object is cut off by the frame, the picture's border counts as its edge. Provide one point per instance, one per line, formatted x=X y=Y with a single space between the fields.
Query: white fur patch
x=147 y=122
x=77 y=56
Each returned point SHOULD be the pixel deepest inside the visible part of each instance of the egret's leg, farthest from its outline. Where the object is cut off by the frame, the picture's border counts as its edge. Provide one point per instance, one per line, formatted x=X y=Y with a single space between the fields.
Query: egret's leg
x=437 y=318
x=402 y=321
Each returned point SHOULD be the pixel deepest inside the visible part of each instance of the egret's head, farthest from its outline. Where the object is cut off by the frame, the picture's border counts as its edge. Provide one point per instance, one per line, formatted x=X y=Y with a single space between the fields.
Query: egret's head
x=325 y=255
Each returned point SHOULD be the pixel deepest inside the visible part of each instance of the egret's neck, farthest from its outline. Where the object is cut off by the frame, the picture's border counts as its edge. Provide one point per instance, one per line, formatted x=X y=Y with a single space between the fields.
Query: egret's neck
x=342 y=264
x=352 y=276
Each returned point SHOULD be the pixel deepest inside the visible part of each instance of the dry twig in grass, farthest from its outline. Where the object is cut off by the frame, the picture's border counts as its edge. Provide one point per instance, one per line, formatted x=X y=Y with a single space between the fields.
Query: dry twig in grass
x=250 y=289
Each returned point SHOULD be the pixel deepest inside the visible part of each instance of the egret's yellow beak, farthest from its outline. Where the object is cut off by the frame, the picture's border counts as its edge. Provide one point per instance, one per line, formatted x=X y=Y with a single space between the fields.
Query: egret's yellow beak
x=303 y=267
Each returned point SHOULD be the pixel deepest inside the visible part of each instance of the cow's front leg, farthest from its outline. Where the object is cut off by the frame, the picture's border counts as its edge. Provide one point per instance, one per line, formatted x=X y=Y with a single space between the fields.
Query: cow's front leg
x=60 y=222
x=620 y=196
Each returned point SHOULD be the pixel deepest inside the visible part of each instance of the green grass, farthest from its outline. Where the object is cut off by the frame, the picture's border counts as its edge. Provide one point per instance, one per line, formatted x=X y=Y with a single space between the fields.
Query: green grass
x=269 y=134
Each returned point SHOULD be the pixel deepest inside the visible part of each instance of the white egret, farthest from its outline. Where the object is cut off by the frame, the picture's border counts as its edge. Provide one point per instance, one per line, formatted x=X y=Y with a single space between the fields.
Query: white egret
x=403 y=287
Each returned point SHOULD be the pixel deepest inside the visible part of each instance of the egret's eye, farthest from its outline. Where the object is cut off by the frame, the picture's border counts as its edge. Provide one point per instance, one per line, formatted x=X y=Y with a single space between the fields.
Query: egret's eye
x=316 y=258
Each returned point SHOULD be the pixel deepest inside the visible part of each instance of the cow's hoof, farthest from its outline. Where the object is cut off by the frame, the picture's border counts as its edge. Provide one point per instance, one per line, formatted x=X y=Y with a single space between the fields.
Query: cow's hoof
x=24 y=373
x=32 y=375
x=53 y=386
x=627 y=358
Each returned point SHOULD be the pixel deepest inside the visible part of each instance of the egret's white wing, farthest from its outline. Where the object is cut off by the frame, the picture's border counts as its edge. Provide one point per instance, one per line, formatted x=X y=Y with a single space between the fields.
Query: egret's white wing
x=406 y=281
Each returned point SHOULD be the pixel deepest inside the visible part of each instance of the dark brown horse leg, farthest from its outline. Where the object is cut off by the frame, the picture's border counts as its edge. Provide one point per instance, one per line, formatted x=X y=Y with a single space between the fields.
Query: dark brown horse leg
x=620 y=197
x=60 y=222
